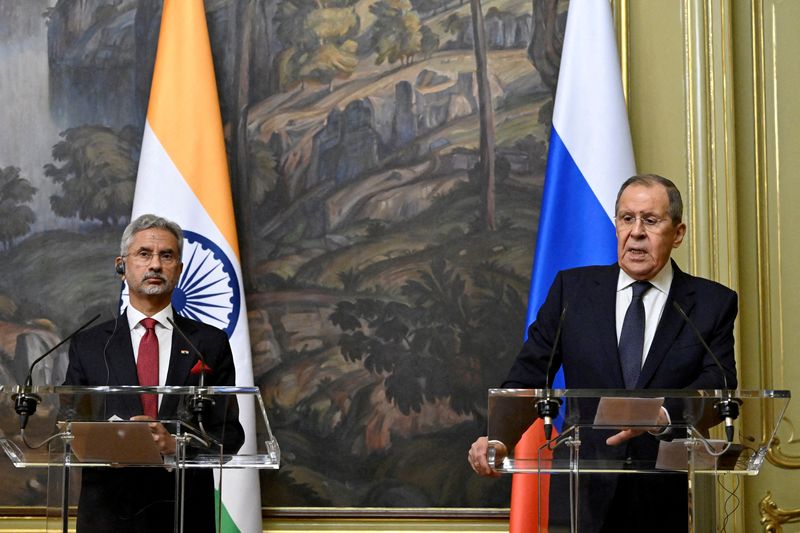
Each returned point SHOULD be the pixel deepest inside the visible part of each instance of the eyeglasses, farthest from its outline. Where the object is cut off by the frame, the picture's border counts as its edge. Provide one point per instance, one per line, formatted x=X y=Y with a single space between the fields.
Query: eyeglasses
x=649 y=222
x=143 y=257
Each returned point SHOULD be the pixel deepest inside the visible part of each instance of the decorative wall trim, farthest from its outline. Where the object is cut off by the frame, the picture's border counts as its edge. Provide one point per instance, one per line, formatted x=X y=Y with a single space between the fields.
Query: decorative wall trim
x=621 y=10
x=773 y=517
x=767 y=211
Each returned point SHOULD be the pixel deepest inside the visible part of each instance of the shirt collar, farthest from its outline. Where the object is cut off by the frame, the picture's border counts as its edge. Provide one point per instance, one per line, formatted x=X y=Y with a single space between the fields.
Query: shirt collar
x=135 y=316
x=661 y=281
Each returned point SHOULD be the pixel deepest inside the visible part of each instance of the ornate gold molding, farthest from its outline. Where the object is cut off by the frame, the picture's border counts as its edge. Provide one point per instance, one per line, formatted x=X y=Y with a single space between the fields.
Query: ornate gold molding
x=775 y=454
x=773 y=517
x=710 y=139
x=621 y=12
x=691 y=124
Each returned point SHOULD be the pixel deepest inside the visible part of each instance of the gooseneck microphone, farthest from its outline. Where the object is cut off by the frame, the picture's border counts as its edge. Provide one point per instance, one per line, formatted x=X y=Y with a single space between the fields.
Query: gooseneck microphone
x=198 y=402
x=25 y=402
x=728 y=407
x=548 y=406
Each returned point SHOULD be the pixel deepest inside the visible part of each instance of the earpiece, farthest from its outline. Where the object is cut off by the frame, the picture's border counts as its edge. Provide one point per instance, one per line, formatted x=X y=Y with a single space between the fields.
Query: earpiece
x=120 y=268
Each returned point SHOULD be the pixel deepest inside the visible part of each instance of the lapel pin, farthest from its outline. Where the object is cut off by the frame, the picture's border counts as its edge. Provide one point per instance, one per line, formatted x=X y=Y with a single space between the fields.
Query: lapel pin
x=184 y=352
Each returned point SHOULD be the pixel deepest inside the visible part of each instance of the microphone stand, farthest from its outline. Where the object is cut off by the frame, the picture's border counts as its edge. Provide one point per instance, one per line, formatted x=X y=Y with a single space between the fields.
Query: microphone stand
x=548 y=407
x=727 y=408
x=25 y=401
x=198 y=403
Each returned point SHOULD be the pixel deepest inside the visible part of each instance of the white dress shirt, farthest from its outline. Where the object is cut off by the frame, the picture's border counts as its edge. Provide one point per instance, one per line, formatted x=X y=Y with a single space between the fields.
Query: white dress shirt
x=163 y=332
x=654 y=301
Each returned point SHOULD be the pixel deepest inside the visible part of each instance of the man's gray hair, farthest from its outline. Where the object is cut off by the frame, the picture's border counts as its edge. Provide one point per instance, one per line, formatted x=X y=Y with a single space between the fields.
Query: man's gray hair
x=675 y=208
x=148 y=222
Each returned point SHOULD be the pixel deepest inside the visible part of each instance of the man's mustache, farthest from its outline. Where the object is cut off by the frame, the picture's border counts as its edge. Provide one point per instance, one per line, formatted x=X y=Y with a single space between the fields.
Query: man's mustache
x=154 y=275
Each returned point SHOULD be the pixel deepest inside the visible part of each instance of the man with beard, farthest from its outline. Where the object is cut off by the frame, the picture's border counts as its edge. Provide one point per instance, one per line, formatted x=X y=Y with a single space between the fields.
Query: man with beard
x=141 y=348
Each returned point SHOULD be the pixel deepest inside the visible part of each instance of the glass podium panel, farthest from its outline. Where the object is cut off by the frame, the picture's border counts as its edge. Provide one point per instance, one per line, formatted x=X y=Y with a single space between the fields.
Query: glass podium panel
x=66 y=431
x=701 y=438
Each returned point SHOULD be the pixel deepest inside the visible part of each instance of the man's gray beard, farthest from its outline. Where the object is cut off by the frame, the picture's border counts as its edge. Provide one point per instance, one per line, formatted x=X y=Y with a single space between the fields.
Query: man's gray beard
x=156 y=290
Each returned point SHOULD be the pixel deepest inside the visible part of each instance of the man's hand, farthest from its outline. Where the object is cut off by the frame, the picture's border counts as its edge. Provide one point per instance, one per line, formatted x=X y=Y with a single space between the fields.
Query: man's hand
x=628 y=434
x=478 y=459
x=163 y=439
x=624 y=435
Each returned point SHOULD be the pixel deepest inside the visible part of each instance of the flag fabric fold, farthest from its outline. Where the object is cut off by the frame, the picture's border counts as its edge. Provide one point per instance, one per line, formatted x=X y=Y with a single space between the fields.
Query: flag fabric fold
x=183 y=176
x=590 y=155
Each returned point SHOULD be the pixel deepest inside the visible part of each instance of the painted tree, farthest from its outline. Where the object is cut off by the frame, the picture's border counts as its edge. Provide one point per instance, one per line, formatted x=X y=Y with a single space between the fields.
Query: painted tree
x=431 y=7
x=429 y=41
x=16 y=216
x=319 y=37
x=544 y=50
x=396 y=33
x=442 y=343
x=243 y=20
x=486 y=115
x=459 y=26
x=265 y=190
x=329 y=62
x=97 y=174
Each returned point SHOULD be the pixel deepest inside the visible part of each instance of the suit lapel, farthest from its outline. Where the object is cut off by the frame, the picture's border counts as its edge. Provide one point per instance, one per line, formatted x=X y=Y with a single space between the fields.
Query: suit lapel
x=121 y=362
x=603 y=312
x=122 y=365
x=669 y=326
x=181 y=361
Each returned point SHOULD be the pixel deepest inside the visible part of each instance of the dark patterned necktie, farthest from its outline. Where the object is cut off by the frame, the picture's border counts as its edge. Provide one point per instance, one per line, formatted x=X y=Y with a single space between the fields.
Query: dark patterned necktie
x=631 y=340
x=147 y=366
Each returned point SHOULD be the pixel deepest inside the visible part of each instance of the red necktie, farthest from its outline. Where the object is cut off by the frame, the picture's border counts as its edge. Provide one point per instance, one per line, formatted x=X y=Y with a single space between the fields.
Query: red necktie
x=147 y=366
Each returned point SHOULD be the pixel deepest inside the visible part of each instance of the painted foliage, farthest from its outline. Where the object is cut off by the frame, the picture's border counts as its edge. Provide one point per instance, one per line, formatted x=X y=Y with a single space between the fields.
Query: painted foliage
x=386 y=191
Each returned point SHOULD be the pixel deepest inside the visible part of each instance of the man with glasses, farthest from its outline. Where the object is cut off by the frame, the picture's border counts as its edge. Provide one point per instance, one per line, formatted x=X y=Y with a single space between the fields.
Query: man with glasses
x=141 y=348
x=622 y=329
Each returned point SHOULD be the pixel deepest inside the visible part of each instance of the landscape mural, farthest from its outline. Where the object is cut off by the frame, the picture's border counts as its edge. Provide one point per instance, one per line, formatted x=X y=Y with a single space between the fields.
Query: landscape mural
x=386 y=190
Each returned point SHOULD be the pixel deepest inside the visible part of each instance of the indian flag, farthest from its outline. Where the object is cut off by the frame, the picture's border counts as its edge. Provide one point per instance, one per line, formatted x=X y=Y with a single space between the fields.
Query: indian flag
x=183 y=175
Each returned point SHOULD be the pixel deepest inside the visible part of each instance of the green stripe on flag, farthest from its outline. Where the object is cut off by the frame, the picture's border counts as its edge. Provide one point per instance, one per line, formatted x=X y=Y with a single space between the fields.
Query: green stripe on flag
x=226 y=524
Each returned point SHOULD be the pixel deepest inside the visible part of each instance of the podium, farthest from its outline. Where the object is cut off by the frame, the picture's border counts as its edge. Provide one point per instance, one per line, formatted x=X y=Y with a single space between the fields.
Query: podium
x=79 y=428
x=691 y=452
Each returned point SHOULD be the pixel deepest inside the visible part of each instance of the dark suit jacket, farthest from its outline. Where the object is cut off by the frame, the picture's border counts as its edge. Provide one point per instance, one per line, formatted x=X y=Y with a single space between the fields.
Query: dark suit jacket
x=588 y=353
x=141 y=499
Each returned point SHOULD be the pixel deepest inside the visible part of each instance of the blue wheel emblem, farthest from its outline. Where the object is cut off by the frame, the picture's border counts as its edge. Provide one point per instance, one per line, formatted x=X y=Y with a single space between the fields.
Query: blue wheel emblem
x=208 y=290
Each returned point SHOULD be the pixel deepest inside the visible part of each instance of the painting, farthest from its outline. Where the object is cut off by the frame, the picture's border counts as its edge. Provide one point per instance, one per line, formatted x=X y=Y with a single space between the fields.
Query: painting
x=387 y=163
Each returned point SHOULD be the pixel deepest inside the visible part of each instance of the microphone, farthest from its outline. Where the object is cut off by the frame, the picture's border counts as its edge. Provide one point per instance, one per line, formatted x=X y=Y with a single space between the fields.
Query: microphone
x=197 y=403
x=727 y=408
x=548 y=406
x=25 y=402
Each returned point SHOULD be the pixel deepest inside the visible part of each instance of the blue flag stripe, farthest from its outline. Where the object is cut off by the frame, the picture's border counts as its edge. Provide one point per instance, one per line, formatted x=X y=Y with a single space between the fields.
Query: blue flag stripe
x=589 y=157
x=570 y=212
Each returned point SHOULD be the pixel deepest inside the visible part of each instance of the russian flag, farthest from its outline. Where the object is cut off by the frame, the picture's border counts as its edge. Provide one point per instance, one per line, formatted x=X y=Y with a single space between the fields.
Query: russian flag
x=183 y=175
x=589 y=157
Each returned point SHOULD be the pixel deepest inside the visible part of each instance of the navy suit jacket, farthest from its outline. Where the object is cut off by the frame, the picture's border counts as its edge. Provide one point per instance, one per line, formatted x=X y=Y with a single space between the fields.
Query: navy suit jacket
x=587 y=350
x=141 y=499
x=588 y=346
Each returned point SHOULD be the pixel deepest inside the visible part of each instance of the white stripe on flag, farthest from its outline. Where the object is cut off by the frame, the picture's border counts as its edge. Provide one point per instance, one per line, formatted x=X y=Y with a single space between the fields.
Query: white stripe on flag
x=589 y=157
x=590 y=110
x=161 y=189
